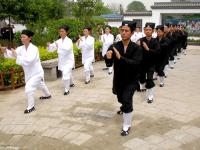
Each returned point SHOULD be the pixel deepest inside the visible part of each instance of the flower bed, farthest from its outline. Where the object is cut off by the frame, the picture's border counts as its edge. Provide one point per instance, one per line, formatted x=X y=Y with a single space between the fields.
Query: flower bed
x=11 y=75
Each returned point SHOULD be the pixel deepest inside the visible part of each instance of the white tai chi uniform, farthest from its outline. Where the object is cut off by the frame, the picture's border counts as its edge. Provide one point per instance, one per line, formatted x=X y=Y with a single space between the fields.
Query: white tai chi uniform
x=118 y=38
x=65 y=59
x=87 y=47
x=154 y=35
x=107 y=40
x=34 y=75
x=136 y=36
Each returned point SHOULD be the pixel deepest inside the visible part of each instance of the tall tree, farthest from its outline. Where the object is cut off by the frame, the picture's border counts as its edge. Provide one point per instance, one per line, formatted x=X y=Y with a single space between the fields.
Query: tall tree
x=27 y=11
x=136 y=6
x=85 y=9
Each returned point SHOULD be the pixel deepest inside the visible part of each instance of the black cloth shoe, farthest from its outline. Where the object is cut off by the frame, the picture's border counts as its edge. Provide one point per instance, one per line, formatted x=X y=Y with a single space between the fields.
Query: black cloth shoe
x=91 y=75
x=29 y=110
x=87 y=82
x=45 y=97
x=72 y=85
x=105 y=69
x=162 y=85
x=119 y=112
x=66 y=93
x=150 y=101
x=109 y=72
x=142 y=90
x=125 y=133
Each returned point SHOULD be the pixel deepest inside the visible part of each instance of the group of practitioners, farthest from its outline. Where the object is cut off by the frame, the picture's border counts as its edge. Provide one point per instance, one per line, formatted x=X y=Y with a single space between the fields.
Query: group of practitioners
x=136 y=59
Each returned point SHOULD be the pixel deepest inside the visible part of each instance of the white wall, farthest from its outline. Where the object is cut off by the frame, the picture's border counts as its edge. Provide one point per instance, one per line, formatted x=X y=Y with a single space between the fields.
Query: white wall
x=115 y=24
x=157 y=15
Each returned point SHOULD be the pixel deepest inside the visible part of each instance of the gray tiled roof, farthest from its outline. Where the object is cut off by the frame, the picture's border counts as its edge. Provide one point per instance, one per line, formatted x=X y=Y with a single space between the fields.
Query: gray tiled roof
x=176 y=5
x=142 y=13
x=112 y=17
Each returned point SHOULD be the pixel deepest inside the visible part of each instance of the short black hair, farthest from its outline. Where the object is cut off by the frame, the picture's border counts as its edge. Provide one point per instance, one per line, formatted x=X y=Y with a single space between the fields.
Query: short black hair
x=161 y=27
x=28 y=33
x=88 y=28
x=65 y=27
x=107 y=26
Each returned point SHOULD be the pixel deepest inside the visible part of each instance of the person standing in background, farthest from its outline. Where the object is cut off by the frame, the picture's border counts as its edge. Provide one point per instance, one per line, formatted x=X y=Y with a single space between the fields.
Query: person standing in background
x=66 y=62
x=86 y=44
x=107 y=40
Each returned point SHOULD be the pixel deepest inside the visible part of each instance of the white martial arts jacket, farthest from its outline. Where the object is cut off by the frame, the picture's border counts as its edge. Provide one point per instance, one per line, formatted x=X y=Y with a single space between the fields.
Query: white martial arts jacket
x=154 y=35
x=87 y=47
x=118 y=38
x=65 y=53
x=136 y=36
x=107 y=40
x=29 y=59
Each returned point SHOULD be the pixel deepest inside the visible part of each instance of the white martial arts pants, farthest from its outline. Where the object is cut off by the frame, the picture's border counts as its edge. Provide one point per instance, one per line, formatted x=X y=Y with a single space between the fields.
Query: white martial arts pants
x=88 y=70
x=67 y=78
x=32 y=84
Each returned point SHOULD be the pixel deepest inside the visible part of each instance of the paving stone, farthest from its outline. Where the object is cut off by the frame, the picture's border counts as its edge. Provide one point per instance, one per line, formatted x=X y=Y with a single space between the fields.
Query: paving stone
x=105 y=113
x=82 y=138
x=15 y=139
x=176 y=134
x=71 y=136
x=194 y=131
x=170 y=144
x=133 y=143
x=154 y=139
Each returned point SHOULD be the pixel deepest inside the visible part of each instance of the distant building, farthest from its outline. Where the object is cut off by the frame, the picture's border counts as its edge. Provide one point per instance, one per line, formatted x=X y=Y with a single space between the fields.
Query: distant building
x=158 y=12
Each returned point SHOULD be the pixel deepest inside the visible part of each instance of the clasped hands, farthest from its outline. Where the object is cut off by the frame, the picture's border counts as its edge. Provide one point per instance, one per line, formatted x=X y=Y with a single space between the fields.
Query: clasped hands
x=110 y=53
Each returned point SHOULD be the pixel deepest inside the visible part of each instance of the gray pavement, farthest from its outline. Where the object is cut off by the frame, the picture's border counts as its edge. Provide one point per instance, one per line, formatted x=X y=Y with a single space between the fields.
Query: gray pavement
x=87 y=120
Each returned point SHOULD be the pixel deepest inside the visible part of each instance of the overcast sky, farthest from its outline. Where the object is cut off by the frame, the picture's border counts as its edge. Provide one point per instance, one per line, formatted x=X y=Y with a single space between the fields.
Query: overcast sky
x=124 y=3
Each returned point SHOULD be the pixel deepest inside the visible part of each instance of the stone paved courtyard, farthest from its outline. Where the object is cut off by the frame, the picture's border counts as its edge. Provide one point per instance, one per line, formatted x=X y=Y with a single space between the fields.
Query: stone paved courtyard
x=87 y=120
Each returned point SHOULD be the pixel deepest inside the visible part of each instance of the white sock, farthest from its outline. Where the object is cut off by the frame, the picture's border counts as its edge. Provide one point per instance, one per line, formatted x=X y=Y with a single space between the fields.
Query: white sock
x=110 y=69
x=171 y=63
x=155 y=75
x=161 y=79
x=150 y=94
x=142 y=86
x=166 y=70
x=127 y=117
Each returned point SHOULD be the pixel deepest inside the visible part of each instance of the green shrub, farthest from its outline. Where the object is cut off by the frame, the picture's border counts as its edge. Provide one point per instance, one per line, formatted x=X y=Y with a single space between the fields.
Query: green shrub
x=98 y=46
x=6 y=66
x=46 y=55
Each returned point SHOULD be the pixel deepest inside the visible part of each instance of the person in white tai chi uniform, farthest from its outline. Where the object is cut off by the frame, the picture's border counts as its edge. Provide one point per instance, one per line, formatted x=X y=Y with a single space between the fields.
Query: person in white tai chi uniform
x=27 y=56
x=86 y=44
x=66 y=63
x=107 y=40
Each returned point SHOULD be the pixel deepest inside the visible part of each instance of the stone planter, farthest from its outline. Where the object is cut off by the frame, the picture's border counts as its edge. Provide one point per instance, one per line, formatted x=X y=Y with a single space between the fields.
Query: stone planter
x=51 y=71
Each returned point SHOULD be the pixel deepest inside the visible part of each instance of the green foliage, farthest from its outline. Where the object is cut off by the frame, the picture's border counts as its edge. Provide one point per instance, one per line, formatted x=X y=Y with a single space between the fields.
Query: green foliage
x=136 y=6
x=30 y=11
x=98 y=46
x=51 y=32
x=7 y=64
x=46 y=55
x=77 y=52
x=115 y=31
x=85 y=9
